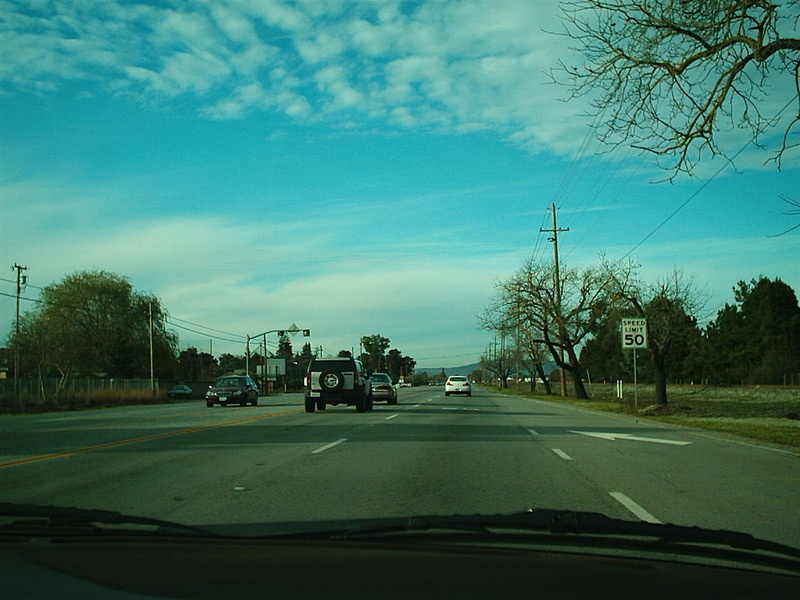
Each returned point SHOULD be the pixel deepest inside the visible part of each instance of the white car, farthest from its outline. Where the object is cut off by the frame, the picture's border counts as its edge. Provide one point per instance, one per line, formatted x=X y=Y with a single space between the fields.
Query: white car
x=457 y=384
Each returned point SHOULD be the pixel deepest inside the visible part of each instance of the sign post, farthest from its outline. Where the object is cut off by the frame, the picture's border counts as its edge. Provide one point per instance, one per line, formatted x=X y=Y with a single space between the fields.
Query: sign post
x=634 y=335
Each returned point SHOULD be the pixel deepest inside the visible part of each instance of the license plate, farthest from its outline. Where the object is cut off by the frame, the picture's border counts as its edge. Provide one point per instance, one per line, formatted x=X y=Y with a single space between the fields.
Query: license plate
x=314 y=395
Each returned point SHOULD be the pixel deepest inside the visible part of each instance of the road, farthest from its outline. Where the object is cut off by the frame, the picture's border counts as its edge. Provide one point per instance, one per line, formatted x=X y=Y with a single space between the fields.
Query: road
x=428 y=454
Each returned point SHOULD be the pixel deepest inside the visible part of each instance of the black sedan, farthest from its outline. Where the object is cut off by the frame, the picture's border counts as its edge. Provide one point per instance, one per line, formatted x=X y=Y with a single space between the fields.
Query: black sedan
x=232 y=389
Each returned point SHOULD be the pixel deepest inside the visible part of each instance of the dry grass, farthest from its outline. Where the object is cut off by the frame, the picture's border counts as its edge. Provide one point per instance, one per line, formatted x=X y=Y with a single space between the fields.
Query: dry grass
x=767 y=413
x=71 y=400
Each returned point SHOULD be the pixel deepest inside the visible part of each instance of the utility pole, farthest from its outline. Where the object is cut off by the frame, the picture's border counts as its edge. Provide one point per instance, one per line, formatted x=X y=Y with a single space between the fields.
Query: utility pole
x=150 y=334
x=21 y=281
x=557 y=285
x=247 y=357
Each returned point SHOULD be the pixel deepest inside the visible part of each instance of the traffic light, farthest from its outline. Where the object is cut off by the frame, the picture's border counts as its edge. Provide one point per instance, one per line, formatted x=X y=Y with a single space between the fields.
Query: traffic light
x=281 y=333
x=306 y=332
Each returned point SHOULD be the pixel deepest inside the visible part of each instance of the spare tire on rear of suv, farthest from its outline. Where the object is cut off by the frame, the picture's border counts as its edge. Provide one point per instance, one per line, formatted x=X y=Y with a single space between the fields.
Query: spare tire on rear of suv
x=331 y=380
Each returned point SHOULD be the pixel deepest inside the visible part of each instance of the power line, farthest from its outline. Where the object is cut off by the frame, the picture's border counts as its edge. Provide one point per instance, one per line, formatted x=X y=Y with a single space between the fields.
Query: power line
x=536 y=247
x=40 y=301
x=683 y=205
x=172 y=318
x=697 y=192
x=206 y=335
x=26 y=284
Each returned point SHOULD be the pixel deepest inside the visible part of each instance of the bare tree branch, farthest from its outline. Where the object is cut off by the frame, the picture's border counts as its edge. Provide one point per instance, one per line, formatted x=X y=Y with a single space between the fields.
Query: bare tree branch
x=667 y=76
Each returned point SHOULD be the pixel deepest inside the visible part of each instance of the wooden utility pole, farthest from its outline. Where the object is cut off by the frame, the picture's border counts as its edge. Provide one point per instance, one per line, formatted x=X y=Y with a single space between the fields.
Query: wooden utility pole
x=150 y=334
x=21 y=280
x=557 y=289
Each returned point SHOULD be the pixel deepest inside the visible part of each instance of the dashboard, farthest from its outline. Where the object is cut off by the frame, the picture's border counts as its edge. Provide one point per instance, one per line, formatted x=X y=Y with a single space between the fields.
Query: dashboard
x=127 y=568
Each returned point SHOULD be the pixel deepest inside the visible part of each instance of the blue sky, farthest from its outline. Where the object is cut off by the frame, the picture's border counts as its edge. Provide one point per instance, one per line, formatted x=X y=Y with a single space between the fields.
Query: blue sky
x=352 y=167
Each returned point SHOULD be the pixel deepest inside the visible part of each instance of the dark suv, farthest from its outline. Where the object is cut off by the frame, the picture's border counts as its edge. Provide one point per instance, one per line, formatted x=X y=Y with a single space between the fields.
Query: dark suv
x=341 y=380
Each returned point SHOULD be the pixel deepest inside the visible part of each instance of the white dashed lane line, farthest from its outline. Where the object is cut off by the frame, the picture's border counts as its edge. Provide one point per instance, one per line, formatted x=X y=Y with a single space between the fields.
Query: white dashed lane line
x=637 y=510
x=562 y=454
x=329 y=446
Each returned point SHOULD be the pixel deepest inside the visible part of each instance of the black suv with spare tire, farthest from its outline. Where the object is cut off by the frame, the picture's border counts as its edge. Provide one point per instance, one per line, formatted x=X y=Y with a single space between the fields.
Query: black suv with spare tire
x=341 y=380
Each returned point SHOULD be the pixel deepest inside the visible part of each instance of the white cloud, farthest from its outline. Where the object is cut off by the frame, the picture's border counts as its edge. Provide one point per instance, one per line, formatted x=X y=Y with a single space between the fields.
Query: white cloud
x=456 y=66
x=225 y=273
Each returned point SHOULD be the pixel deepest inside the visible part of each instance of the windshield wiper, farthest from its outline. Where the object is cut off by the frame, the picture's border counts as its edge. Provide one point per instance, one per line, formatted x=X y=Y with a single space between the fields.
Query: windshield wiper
x=569 y=522
x=535 y=526
x=56 y=519
x=556 y=527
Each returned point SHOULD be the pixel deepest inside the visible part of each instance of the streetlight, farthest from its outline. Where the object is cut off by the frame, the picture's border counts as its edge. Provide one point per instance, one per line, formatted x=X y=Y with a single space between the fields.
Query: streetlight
x=293 y=330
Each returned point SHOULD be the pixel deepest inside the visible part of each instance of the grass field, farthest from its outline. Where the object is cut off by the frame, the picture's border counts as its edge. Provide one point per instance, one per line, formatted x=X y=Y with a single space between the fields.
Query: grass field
x=766 y=413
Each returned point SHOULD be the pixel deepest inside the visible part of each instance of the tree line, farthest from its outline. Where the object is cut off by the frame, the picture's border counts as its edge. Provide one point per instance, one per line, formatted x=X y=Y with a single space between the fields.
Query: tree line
x=576 y=321
x=376 y=359
x=95 y=324
x=194 y=365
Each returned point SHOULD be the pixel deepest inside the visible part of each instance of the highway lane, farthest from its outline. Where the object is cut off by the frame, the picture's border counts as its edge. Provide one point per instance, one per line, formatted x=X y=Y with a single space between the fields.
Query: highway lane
x=428 y=454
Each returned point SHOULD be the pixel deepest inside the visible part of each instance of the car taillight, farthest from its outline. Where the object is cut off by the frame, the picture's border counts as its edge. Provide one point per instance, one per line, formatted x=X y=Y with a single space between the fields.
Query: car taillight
x=307 y=378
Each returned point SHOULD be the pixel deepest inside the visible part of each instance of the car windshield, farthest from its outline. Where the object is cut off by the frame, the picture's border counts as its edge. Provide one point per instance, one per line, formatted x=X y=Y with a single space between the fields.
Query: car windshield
x=583 y=294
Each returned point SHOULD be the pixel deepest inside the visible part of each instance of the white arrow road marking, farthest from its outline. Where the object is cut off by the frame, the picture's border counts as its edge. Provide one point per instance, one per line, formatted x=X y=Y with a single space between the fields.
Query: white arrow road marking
x=629 y=436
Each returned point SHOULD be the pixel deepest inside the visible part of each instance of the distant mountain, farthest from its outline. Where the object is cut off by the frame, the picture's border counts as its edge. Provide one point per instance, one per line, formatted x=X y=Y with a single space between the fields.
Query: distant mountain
x=467 y=369
x=435 y=371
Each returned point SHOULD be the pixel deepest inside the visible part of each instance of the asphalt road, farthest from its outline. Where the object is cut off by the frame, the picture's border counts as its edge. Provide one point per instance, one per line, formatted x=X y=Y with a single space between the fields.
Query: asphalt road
x=428 y=454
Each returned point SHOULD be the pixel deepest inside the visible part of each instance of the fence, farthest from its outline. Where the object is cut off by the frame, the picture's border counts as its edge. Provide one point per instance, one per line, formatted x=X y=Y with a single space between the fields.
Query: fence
x=43 y=391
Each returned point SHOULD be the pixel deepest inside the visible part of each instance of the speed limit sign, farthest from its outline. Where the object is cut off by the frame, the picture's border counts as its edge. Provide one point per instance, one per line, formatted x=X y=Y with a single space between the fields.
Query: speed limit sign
x=634 y=333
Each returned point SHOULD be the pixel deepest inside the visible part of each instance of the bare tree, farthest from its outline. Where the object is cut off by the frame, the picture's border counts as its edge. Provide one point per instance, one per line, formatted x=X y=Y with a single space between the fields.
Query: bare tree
x=533 y=359
x=672 y=74
x=793 y=212
x=560 y=321
x=501 y=363
x=504 y=315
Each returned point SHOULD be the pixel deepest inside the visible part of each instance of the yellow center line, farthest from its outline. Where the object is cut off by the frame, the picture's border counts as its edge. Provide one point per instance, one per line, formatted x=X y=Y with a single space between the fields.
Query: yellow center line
x=85 y=426
x=146 y=438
